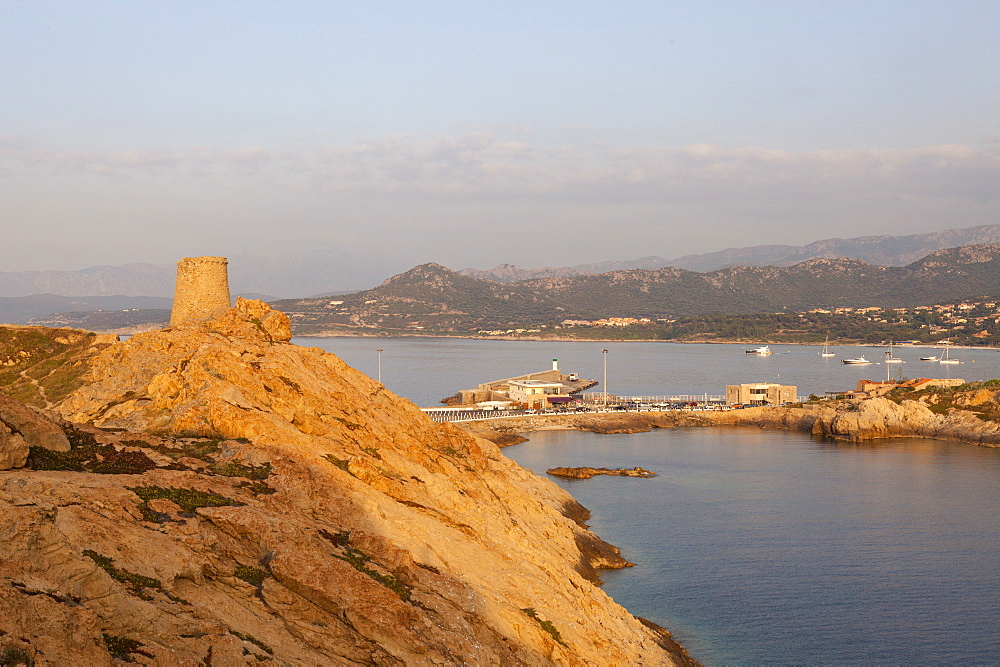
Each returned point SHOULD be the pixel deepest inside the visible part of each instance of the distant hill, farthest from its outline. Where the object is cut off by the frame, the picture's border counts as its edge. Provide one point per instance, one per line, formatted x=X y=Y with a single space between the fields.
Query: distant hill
x=878 y=250
x=815 y=283
x=119 y=321
x=433 y=298
x=16 y=310
x=428 y=296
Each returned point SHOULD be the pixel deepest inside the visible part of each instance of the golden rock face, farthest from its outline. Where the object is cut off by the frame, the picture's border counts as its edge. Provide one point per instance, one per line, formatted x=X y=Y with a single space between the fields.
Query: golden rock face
x=357 y=530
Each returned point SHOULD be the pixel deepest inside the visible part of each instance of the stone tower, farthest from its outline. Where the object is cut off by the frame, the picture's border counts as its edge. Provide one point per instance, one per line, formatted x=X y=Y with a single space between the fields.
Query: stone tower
x=202 y=288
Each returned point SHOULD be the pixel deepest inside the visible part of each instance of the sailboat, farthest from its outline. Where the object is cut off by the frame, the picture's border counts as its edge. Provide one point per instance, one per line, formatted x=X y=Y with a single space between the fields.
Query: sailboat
x=889 y=359
x=946 y=359
x=826 y=348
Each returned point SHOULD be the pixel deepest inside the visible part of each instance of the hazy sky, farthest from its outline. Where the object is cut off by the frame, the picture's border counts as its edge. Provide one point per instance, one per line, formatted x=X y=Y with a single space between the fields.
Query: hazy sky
x=473 y=133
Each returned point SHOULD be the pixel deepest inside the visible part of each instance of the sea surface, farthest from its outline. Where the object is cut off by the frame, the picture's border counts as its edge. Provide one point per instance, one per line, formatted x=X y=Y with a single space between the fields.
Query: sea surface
x=770 y=547
x=756 y=546
x=426 y=370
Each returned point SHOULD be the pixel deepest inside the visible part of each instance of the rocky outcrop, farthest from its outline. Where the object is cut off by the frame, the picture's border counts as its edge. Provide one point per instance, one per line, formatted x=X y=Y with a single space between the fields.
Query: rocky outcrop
x=246 y=499
x=587 y=473
x=22 y=428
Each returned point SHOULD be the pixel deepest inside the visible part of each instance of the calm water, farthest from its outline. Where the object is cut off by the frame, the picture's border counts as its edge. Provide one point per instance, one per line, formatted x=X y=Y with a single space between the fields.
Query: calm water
x=761 y=546
x=766 y=546
x=425 y=370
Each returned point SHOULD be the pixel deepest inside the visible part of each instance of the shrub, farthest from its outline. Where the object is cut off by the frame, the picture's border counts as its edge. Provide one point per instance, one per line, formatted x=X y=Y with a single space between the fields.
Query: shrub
x=547 y=626
x=260 y=472
x=134 y=582
x=121 y=648
x=251 y=575
x=88 y=456
x=187 y=499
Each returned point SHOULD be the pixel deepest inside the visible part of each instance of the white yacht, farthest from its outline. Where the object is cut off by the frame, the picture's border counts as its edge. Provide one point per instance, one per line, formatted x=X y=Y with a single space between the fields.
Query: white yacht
x=762 y=351
x=857 y=361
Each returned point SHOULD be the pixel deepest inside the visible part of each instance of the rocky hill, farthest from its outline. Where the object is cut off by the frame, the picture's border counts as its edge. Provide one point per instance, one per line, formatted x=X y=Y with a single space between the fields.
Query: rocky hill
x=942 y=276
x=215 y=495
x=40 y=366
x=433 y=298
x=427 y=297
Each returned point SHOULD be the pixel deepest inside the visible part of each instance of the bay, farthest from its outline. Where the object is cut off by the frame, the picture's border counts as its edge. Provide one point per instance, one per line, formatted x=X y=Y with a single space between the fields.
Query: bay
x=760 y=546
x=770 y=547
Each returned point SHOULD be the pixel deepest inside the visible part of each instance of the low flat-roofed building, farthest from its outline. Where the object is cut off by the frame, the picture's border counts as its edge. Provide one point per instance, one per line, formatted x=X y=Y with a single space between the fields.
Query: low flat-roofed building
x=535 y=393
x=760 y=393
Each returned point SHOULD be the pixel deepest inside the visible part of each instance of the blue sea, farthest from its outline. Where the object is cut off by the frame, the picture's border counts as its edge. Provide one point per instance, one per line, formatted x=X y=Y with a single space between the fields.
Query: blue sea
x=758 y=547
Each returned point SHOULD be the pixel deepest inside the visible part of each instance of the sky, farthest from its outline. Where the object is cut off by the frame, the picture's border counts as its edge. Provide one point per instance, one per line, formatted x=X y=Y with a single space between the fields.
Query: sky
x=483 y=132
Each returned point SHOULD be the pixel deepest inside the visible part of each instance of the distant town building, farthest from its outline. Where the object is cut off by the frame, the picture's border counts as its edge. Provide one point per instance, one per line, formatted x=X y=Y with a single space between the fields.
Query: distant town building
x=760 y=393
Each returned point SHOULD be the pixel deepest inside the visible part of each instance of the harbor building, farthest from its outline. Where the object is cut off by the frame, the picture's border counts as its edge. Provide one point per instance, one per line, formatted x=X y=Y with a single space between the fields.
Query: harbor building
x=537 y=393
x=760 y=393
x=500 y=390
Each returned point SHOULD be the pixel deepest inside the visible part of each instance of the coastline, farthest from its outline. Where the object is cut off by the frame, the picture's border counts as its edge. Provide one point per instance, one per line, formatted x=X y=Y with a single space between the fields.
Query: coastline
x=853 y=421
x=578 y=339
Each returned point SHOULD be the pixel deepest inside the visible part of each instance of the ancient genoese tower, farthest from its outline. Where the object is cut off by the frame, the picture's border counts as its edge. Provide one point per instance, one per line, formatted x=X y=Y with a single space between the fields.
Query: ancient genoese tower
x=202 y=289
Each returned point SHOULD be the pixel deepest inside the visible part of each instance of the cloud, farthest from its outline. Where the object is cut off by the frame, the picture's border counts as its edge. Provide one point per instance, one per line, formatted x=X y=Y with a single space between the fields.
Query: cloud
x=489 y=164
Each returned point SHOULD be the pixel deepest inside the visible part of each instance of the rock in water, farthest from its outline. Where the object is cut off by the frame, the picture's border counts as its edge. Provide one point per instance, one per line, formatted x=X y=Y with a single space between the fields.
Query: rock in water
x=268 y=501
x=587 y=473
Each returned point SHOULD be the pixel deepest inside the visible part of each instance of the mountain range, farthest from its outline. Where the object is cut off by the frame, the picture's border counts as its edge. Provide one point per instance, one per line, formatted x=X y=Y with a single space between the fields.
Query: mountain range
x=878 y=250
x=329 y=271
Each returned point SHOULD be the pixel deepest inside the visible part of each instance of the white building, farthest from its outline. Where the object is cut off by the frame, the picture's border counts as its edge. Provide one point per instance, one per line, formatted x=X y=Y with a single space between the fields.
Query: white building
x=535 y=393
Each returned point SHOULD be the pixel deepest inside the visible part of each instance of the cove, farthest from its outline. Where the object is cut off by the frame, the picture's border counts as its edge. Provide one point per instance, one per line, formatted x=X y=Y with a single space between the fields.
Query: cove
x=758 y=546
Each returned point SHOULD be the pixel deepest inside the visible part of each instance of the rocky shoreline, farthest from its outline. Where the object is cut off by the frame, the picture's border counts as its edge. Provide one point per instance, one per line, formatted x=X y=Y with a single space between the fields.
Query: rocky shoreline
x=960 y=416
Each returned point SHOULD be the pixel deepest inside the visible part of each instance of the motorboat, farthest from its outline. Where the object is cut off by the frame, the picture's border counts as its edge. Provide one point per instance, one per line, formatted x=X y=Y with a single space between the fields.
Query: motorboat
x=762 y=351
x=932 y=358
x=857 y=361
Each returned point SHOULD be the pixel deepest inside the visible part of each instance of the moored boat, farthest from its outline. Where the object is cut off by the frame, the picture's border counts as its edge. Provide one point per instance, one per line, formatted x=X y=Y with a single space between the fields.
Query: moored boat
x=857 y=361
x=890 y=359
x=826 y=349
x=761 y=351
x=946 y=359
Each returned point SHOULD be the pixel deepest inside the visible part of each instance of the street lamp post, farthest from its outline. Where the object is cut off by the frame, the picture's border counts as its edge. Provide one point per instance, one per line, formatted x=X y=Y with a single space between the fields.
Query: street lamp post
x=605 y=352
x=379 y=350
